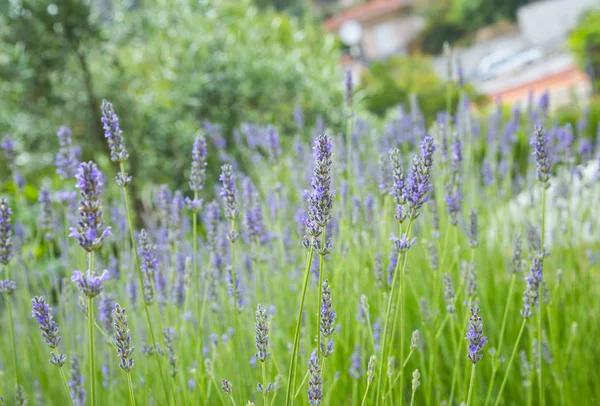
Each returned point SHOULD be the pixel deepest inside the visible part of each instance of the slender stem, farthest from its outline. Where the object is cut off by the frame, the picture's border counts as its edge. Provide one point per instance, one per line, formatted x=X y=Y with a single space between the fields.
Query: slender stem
x=392 y=384
x=495 y=364
x=12 y=328
x=264 y=378
x=301 y=385
x=232 y=400
x=130 y=386
x=63 y=378
x=456 y=363
x=237 y=345
x=412 y=397
x=320 y=293
x=91 y=335
x=366 y=392
x=141 y=279
x=388 y=312
x=542 y=401
x=510 y=361
x=471 y=385
x=291 y=373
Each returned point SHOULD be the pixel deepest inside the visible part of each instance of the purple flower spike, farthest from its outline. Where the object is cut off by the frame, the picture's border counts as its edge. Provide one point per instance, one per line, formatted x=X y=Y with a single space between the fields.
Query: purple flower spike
x=46 y=220
x=315 y=382
x=543 y=160
x=42 y=313
x=67 y=157
x=91 y=230
x=228 y=192
x=475 y=336
x=113 y=133
x=320 y=197
x=6 y=247
x=532 y=292
x=198 y=172
x=122 y=338
x=90 y=285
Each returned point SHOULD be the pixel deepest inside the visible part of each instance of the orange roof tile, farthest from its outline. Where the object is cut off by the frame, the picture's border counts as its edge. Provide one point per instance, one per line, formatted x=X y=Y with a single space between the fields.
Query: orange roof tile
x=363 y=12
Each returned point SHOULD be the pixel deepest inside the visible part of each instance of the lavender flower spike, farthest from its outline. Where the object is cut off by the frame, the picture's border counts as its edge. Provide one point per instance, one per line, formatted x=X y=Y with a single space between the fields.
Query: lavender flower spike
x=327 y=319
x=46 y=224
x=226 y=386
x=6 y=247
x=113 y=133
x=123 y=338
x=89 y=284
x=91 y=230
x=198 y=172
x=315 y=382
x=228 y=192
x=475 y=336
x=543 y=162
x=262 y=334
x=67 y=156
x=42 y=313
x=532 y=292
x=76 y=383
x=320 y=197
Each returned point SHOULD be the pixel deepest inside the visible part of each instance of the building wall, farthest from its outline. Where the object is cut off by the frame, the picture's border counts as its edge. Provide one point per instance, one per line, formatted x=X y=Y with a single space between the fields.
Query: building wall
x=389 y=35
x=550 y=20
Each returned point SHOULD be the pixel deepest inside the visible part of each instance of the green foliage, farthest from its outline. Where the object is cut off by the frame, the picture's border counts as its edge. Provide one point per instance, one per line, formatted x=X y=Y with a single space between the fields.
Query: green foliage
x=167 y=69
x=390 y=83
x=584 y=42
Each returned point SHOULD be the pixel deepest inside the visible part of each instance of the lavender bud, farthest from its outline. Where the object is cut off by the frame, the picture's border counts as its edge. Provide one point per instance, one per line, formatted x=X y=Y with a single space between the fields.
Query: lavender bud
x=46 y=220
x=328 y=316
x=415 y=341
x=7 y=287
x=228 y=192
x=6 y=247
x=315 y=382
x=122 y=338
x=198 y=172
x=532 y=292
x=76 y=383
x=90 y=231
x=226 y=386
x=113 y=133
x=371 y=369
x=42 y=313
x=355 y=361
x=473 y=230
x=449 y=293
x=475 y=336
x=391 y=366
x=517 y=260
x=149 y=265
x=320 y=197
x=20 y=399
x=415 y=380
x=169 y=335
x=89 y=284
x=261 y=331
x=348 y=85
x=67 y=156
x=543 y=161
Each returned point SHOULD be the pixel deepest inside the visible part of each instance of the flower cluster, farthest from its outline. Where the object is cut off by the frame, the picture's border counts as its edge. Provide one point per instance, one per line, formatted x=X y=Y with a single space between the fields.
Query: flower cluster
x=327 y=319
x=91 y=230
x=46 y=219
x=320 y=196
x=532 y=292
x=149 y=265
x=228 y=192
x=76 y=383
x=113 y=133
x=198 y=172
x=42 y=313
x=67 y=157
x=261 y=330
x=6 y=247
x=122 y=338
x=418 y=182
x=449 y=294
x=315 y=382
x=543 y=160
x=475 y=336
x=89 y=284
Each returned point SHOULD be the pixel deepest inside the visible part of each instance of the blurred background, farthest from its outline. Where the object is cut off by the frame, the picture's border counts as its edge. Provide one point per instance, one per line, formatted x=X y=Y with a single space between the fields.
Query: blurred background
x=175 y=67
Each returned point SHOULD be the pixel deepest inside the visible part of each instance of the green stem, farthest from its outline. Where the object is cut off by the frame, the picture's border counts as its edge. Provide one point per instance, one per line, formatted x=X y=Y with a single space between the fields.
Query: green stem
x=65 y=383
x=320 y=294
x=366 y=392
x=130 y=386
x=141 y=280
x=301 y=385
x=91 y=335
x=495 y=364
x=456 y=363
x=264 y=377
x=471 y=385
x=401 y=258
x=12 y=328
x=542 y=401
x=291 y=373
x=510 y=361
